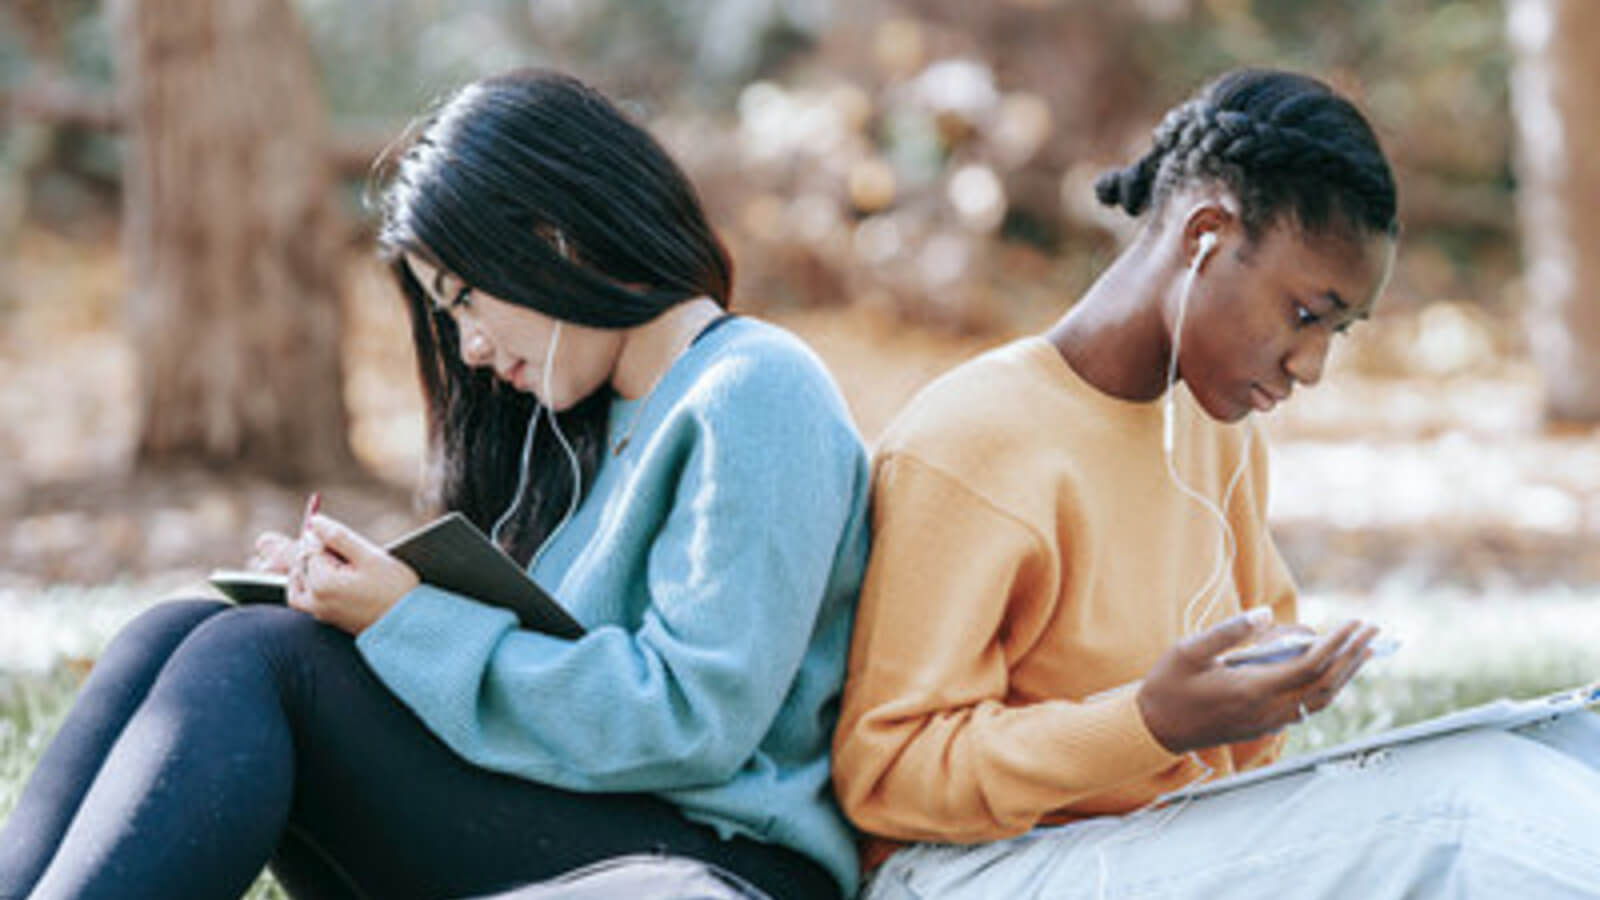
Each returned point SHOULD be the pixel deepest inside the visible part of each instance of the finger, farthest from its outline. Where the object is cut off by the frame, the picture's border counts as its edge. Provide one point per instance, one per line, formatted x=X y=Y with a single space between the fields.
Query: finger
x=327 y=575
x=267 y=540
x=295 y=593
x=1347 y=664
x=1337 y=681
x=1229 y=633
x=272 y=550
x=1284 y=629
x=1322 y=692
x=1297 y=675
x=342 y=539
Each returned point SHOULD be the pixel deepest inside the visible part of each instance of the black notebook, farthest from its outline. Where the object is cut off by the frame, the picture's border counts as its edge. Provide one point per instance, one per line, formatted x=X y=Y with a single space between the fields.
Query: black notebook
x=449 y=553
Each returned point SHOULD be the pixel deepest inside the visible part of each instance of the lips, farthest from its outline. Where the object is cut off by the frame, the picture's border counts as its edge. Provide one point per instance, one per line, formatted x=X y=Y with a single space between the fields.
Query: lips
x=1262 y=399
x=513 y=375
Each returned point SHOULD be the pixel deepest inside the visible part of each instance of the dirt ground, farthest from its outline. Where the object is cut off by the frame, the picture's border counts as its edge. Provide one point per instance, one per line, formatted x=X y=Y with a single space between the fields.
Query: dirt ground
x=1383 y=481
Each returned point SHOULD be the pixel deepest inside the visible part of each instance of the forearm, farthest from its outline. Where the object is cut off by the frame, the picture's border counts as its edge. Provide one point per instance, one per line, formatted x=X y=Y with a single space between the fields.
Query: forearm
x=613 y=711
x=988 y=771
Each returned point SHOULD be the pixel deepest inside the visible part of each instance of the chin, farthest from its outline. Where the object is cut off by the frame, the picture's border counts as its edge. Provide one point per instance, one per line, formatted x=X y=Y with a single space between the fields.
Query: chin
x=1222 y=409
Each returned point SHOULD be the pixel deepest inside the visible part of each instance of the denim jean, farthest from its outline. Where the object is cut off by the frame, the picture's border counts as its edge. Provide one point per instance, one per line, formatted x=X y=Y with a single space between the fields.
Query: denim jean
x=1486 y=813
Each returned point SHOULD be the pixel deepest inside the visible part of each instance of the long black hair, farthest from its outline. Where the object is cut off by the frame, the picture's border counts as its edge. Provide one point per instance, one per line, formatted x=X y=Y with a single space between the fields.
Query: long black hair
x=1284 y=143
x=532 y=187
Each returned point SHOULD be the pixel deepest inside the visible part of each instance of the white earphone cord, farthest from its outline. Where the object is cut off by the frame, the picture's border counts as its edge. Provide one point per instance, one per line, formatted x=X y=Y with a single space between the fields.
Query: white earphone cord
x=1139 y=819
x=543 y=408
x=1227 y=549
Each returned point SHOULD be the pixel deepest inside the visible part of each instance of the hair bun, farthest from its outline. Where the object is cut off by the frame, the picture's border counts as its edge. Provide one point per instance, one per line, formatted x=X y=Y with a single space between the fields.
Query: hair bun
x=1127 y=188
x=1108 y=188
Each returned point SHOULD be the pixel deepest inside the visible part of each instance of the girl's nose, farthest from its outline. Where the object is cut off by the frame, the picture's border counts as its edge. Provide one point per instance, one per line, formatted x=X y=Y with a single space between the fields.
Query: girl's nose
x=1305 y=361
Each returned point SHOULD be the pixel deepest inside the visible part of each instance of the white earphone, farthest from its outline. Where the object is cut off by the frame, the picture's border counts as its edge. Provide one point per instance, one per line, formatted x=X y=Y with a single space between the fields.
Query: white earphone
x=1208 y=243
x=1195 y=617
x=543 y=409
x=550 y=360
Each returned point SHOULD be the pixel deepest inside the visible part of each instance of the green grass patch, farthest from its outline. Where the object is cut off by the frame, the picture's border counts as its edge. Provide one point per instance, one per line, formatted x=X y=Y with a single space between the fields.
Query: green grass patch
x=1455 y=652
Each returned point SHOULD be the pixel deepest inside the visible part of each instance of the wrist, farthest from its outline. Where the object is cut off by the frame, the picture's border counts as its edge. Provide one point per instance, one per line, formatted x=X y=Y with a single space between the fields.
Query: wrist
x=1156 y=721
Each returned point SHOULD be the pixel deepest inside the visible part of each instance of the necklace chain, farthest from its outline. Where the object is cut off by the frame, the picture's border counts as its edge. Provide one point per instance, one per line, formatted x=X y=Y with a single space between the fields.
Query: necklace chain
x=644 y=404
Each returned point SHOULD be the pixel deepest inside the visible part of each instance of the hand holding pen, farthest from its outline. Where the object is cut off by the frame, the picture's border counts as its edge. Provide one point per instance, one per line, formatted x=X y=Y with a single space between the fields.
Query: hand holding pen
x=276 y=552
x=341 y=578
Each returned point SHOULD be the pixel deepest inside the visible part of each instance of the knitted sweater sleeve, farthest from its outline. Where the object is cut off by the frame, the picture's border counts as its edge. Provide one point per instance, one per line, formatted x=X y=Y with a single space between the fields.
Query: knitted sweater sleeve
x=931 y=745
x=769 y=479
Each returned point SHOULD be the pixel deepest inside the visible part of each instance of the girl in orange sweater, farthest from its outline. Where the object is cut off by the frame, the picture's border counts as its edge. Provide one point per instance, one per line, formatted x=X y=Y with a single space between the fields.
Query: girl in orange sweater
x=1069 y=536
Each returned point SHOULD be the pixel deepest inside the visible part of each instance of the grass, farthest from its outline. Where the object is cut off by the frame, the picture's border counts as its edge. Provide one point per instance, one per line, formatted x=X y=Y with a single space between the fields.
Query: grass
x=1454 y=651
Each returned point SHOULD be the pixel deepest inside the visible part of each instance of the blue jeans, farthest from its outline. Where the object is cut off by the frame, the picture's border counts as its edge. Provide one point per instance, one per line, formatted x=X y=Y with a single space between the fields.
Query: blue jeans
x=1486 y=813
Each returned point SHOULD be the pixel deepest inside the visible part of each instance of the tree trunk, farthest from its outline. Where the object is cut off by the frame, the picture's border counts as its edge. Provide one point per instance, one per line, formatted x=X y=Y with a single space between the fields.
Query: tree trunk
x=232 y=238
x=1554 y=93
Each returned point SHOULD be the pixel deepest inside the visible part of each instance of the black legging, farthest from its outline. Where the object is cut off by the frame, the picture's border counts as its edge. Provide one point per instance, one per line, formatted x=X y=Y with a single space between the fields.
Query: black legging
x=210 y=740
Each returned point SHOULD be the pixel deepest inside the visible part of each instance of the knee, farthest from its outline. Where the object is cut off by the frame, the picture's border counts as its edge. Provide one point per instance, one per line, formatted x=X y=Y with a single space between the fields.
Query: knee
x=154 y=633
x=278 y=651
x=277 y=637
x=1501 y=771
x=269 y=629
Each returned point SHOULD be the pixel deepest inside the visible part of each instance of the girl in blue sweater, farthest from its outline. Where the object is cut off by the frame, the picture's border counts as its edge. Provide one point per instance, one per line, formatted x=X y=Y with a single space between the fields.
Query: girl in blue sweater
x=688 y=484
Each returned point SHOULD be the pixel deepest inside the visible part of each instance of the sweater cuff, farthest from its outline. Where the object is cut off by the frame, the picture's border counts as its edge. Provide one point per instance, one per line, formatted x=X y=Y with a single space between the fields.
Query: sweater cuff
x=1142 y=744
x=1112 y=740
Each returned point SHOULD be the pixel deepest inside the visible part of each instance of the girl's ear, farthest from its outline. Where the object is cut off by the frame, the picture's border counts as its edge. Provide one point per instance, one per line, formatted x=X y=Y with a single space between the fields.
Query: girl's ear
x=1209 y=225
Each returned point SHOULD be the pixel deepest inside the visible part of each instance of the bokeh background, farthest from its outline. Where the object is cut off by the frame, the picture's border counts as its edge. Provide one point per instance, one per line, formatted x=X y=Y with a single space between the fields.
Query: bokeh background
x=186 y=265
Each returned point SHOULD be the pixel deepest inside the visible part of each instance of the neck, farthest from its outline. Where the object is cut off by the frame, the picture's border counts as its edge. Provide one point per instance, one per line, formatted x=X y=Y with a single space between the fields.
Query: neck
x=1115 y=337
x=649 y=350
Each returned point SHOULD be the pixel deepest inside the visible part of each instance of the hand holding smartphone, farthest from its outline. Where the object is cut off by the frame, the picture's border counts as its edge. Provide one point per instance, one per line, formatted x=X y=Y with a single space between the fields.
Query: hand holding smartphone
x=1290 y=646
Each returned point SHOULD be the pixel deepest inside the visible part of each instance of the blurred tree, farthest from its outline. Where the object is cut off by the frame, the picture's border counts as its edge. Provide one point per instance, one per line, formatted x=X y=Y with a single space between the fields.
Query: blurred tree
x=233 y=240
x=1554 y=92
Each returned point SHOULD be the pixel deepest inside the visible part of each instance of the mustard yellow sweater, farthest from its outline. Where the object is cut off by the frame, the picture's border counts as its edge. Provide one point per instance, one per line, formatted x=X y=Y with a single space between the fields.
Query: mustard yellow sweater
x=1030 y=561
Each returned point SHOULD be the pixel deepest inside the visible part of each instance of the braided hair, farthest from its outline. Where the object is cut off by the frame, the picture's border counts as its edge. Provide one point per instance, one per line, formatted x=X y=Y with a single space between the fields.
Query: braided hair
x=1283 y=143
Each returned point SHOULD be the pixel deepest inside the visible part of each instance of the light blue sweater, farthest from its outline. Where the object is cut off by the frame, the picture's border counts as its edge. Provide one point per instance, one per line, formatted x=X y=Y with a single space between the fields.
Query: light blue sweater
x=715 y=565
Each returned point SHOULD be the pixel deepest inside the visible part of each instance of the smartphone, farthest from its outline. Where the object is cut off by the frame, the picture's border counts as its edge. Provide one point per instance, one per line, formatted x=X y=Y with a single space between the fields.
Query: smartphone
x=1278 y=650
x=1290 y=646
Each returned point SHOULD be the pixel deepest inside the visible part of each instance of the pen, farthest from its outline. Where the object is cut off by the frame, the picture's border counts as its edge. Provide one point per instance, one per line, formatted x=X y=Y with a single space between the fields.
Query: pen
x=313 y=503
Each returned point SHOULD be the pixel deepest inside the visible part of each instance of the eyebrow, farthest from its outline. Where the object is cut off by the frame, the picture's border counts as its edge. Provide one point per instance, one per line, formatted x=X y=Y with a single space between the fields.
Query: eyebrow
x=1343 y=306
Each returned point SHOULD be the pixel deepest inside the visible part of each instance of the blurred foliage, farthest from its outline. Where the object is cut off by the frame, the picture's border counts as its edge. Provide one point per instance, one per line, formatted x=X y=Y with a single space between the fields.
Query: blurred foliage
x=930 y=156
x=1426 y=69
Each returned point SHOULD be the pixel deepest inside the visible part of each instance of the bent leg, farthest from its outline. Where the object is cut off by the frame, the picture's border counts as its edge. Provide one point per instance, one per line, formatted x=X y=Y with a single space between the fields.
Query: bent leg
x=385 y=807
x=118 y=683
x=266 y=736
x=1480 y=814
x=192 y=797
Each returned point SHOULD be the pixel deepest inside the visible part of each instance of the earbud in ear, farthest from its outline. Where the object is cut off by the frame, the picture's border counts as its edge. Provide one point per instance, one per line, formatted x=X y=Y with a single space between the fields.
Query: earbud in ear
x=1208 y=243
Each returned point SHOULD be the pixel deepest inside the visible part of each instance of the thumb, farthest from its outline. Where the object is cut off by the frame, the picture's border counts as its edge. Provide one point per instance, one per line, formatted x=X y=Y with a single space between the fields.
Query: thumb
x=341 y=539
x=1229 y=633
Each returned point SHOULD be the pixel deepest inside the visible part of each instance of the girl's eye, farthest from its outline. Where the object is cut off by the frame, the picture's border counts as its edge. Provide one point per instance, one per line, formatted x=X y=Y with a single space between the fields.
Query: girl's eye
x=462 y=299
x=1304 y=317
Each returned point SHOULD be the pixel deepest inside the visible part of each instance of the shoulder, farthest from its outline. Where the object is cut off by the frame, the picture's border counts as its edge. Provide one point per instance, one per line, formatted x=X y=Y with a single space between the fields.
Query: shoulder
x=999 y=427
x=761 y=418
x=975 y=409
x=759 y=371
